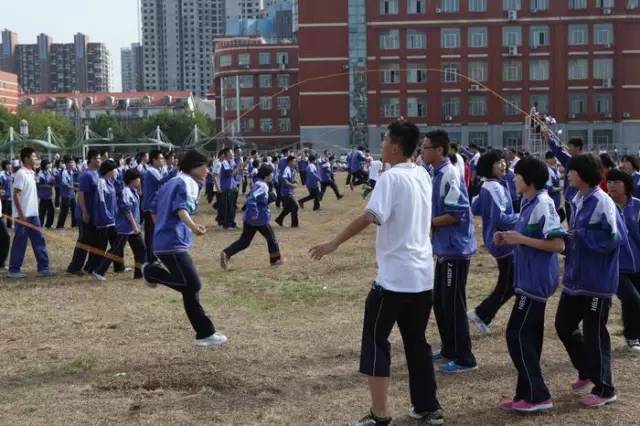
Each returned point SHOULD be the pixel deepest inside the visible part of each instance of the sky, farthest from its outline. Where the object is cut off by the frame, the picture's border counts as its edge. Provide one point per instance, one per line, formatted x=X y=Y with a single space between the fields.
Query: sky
x=112 y=22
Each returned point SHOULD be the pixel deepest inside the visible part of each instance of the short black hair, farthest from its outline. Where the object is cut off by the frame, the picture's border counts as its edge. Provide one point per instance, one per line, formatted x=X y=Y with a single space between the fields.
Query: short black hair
x=332 y=158
x=264 y=171
x=577 y=142
x=549 y=155
x=439 y=139
x=588 y=167
x=619 y=175
x=44 y=163
x=533 y=171
x=67 y=159
x=290 y=159
x=225 y=151
x=26 y=152
x=285 y=151
x=607 y=162
x=454 y=147
x=485 y=163
x=91 y=154
x=312 y=158
x=405 y=134
x=635 y=163
x=106 y=167
x=254 y=152
x=5 y=163
x=153 y=155
x=131 y=175
x=192 y=159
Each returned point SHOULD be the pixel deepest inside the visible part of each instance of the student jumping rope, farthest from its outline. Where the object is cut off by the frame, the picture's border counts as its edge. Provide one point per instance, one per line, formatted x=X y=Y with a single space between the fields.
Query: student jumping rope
x=256 y=218
x=104 y=211
x=620 y=186
x=536 y=240
x=454 y=243
x=327 y=178
x=590 y=280
x=312 y=182
x=288 y=193
x=173 y=238
x=402 y=292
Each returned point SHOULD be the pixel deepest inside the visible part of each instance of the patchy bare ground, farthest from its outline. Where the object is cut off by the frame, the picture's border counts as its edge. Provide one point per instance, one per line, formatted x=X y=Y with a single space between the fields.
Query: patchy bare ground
x=77 y=352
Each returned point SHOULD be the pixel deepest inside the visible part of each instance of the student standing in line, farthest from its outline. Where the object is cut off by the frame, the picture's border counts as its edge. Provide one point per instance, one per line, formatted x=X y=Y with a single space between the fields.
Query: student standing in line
x=151 y=184
x=67 y=194
x=127 y=227
x=494 y=205
x=620 y=190
x=6 y=182
x=177 y=202
x=208 y=184
x=288 y=187
x=5 y=242
x=104 y=210
x=590 y=280
x=229 y=174
x=216 y=168
x=303 y=163
x=454 y=244
x=45 y=184
x=402 y=291
x=327 y=177
x=312 y=183
x=88 y=234
x=537 y=239
x=25 y=214
x=256 y=218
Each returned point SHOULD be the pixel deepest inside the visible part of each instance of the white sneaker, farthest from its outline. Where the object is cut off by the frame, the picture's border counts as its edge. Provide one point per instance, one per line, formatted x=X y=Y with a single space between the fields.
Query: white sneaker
x=634 y=345
x=475 y=320
x=216 y=339
x=98 y=277
x=16 y=275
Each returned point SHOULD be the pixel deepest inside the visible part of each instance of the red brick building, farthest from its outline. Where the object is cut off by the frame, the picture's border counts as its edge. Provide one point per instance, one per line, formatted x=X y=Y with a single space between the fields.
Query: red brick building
x=9 y=91
x=579 y=60
x=255 y=91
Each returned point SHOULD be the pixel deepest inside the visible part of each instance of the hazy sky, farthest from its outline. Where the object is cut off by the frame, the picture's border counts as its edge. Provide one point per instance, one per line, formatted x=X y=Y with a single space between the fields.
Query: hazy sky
x=113 y=22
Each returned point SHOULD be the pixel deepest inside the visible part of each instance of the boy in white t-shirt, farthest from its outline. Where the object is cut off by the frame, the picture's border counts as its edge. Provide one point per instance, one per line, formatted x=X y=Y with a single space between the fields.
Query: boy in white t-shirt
x=27 y=222
x=402 y=293
x=375 y=169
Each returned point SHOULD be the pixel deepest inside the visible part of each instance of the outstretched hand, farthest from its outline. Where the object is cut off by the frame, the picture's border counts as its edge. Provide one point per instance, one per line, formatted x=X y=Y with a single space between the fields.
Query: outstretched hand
x=321 y=250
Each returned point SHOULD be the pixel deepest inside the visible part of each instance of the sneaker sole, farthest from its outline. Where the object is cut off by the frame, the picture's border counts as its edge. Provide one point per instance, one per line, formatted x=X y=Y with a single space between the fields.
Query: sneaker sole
x=535 y=409
x=602 y=404
x=460 y=371
x=208 y=345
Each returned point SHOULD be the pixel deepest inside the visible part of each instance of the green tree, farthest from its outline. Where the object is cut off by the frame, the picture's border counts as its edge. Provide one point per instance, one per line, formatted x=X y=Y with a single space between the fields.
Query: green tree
x=104 y=122
x=6 y=120
x=177 y=127
x=40 y=120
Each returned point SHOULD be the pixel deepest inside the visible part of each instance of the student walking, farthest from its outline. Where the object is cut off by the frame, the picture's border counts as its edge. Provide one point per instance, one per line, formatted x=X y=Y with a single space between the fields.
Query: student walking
x=45 y=184
x=288 y=193
x=67 y=194
x=454 y=243
x=25 y=214
x=536 y=240
x=402 y=292
x=173 y=238
x=590 y=280
x=494 y=205
x=312 y=182
x=256 y=218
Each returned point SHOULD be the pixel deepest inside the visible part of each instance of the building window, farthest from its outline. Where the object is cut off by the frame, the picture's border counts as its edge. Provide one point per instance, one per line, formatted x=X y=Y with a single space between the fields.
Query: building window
x=539 y=36
x=390 y=107
x=229 y=104
x=512 y=139
x=478 y=37
x=246 y=103
x=451 y=106
x=284 y=102
x=450 y=38
x=264 y=58
x=512 y=71
x=578 y=69
x=390 y=39
x=603 y=34
x=390 y=73
x=604 y=102
x=477 y=5
x=244 y=59
x=416 y=107
x=451 y=72
x=388 y=7
x=283 y=81
x=511 y=4
x=246 y=81
x=265 y=103
x=513 y=105
x=416 y=6
x=603 y=139
x=450 y=6
x=539 y=70
x=265 y=81
x=247 y=124
x=282 y=58
x=577 y=103
x=577 y=4
x=416 y=39
x=541 y=100
x=478 y=70
x=480 y=139
x=266 y=125
x=578 y=34
x=539 y=5
x=602 y=4
x=477 y=106
x=416 y=73
x=284 y=124
x=511 y=36
x=225 y=60
x=603 y=69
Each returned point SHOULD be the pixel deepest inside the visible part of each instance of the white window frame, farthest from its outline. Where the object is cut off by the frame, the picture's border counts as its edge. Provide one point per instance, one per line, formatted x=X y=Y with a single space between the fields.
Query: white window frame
x=478 y=37
x=450 y=38
x=416 y=39
x=479 y=70
x=578 y=69
x=539 y=69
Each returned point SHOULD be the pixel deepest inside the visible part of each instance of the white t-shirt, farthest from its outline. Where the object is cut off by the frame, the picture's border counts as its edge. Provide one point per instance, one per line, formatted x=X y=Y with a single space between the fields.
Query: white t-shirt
x=460 y=166
x=25 y=181
x=401 y=203
x=374 y=170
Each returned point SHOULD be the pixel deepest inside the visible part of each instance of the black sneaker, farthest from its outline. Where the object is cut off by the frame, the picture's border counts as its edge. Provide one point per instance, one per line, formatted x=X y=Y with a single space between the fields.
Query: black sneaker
x=428 y=417
x=372 y=420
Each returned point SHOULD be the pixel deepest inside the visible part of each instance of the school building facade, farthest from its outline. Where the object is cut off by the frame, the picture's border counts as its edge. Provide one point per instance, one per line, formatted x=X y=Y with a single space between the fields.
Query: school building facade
x=9 y=91
x=364 y=62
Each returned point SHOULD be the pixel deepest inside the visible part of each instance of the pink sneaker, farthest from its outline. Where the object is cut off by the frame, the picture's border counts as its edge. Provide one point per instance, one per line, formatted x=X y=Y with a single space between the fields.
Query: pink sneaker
x=507 y=405
x=592 y=401
x=581 y=385
x=531 y=407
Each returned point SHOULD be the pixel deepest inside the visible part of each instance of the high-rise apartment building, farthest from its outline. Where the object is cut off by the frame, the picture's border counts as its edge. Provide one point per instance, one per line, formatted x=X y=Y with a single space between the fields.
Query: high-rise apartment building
x=8 y=43
x=132 y=70
x=177 y=41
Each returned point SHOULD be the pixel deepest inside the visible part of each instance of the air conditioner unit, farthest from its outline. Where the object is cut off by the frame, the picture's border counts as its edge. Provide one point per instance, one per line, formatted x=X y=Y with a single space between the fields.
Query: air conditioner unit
x=631 y=6
x=607 y=83
x=534 y=10
x=572 y=116
x=606 y=11
x=608 y=46
x=608 y=115
x=626 y=115
x=438 y=10
x=475 y=88
x=512 y=50
x=284 y=112
x=283 y=66
x=448 y=118
x=512 y=15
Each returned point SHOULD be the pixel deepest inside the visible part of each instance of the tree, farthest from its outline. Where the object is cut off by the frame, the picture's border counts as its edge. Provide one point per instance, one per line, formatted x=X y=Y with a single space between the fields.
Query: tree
x=177 y=127
x=6 y=120
x=104 y=122
x=40 y=120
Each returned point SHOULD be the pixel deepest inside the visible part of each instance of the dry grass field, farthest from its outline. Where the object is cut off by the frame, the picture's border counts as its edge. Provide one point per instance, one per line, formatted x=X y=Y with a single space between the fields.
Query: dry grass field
x=74 y=351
